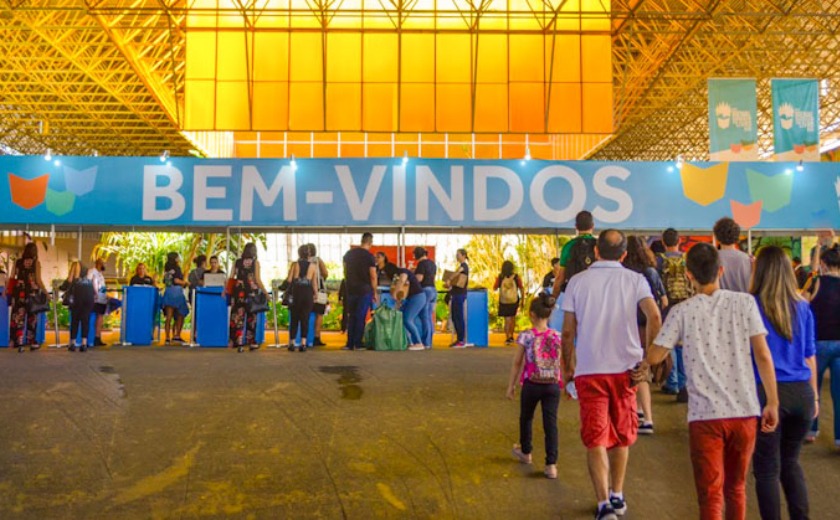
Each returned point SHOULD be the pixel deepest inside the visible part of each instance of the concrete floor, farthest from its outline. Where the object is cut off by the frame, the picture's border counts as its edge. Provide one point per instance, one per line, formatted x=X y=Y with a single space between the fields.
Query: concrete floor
x=170 y=432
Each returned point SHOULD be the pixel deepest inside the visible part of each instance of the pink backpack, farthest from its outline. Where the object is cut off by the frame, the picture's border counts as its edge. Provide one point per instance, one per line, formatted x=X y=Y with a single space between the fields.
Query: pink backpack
x=548 y=359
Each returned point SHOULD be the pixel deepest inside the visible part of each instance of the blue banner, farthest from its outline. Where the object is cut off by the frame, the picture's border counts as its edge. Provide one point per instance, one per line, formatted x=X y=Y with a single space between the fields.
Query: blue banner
x=733 y=130
x=421 y=194
x=796 y=119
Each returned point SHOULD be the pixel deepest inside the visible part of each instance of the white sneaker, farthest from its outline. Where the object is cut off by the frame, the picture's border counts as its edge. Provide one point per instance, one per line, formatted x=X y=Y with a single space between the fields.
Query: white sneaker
x=417 y=347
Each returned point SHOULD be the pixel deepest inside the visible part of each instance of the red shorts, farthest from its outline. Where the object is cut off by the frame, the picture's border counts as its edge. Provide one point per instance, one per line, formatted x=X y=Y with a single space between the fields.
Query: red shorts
x=607 y=410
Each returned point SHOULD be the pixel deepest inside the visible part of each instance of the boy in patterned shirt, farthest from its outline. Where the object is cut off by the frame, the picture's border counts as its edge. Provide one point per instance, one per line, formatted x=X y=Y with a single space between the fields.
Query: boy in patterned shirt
x=721 y=332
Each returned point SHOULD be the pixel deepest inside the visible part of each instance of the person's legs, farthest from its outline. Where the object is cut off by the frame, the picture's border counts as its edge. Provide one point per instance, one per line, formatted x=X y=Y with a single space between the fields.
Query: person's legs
x=596 y=431
x=179 y=325
x=305 y=311
x=645 y=401
x=599 y=472
x=84 y=317
x=823 y=360
x=528 y=399
x=357 y=320
x=294 y=322
x=550 y=402
x=794 y=427
x=431 y=304
x=766 y=469
x=739 y=444
x=618 y=458
x=167 y=324
x=351 y=303
x=74 y=327
x=411 y=309
x=458 y=318
x=834 y=368
x=706 y=448
x=319 y=323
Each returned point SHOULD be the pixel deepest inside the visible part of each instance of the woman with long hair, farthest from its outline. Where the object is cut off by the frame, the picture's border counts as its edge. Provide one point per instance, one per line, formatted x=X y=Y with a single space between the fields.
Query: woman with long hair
x=174 y=301
x=303 y=279
x=27 y=275
x=825 y=304
x=790 y=336
x=81 y=300
x=641 y=260
x=510 y=290
x=246 y=274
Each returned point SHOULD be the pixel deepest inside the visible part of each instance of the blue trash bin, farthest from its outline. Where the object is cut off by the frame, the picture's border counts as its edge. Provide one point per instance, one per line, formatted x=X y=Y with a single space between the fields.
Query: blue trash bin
x=211 y=317
x=478 y=318
x=139 y=314
x=4 y=318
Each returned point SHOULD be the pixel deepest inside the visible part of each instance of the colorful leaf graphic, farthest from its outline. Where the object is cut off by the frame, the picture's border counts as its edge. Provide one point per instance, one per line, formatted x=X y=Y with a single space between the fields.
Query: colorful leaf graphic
x=704 y=185
x=28 y=193
x=60 y=202
x=746 y=215
x=79 y=182
x=774 y=190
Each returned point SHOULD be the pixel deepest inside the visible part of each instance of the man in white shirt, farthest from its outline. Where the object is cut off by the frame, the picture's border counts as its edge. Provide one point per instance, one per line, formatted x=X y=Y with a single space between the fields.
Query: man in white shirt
x=721 y=332
x=601 y=346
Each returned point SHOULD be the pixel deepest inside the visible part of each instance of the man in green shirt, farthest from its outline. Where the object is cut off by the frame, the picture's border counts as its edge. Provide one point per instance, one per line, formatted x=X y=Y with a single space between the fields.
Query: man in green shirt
x=578 y=253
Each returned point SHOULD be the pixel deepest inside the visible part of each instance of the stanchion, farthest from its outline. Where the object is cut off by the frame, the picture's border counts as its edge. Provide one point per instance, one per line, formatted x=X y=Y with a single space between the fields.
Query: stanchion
x=275 y=287
x=193 y=320
x=123 y=319
x=57 y=343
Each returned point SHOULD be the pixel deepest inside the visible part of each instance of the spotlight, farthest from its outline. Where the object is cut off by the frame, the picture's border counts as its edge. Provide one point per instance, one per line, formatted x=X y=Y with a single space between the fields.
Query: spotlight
x=527 y=154
x=164 y=156
x=57 y=162
x=405 y=158
x=788 y=171
x=670 y=169
x=293 y=163
x=680 y=162
x=95 y=153
x=169 y=164
x=800 y=167
x=48 y=155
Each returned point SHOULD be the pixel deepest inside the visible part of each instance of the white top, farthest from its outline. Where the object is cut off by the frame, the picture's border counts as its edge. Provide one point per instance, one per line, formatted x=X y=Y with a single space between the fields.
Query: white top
x=715 y=334
x=100 y=294
x=605 y=299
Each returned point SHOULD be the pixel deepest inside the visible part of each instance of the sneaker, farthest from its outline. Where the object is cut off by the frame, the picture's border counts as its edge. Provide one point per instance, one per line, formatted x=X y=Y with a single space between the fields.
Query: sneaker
x=99 y=343
x=551 y=471
x=347 y=347
x=318 y=343
x=811 y=437
x=253 y=346
x=417 y=347
x=302 y=348
x=509 y=342
x=646 y=428
x=682 y=396
x=291 y=347
x=83 y=348
x=524 y=458
x=71 y=348
x=640 y=414
x=606 y=513
x=459 y=344
x=619 y=505
x=34 y=347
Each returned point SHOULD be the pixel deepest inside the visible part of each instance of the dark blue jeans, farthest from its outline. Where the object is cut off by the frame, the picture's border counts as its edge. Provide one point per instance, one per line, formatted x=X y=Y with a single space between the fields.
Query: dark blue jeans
x=828 y=358
x=547 y=396
x=357 y=309
x=458 y=316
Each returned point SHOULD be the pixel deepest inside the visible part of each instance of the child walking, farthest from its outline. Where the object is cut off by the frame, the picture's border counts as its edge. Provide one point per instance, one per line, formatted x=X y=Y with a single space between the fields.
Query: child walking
x=538 y=367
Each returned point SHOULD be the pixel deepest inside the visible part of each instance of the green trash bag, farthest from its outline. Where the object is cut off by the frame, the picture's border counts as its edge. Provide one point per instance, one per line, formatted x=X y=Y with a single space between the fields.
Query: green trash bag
x=386 y=331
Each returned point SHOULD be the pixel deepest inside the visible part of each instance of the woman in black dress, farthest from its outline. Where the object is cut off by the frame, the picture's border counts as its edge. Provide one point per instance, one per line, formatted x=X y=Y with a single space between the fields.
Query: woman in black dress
x=27 y=275
x=246 y=273
x=303 y=278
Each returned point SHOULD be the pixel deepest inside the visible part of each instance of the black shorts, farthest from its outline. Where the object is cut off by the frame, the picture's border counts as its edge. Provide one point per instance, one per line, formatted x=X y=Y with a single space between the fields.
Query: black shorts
x=100 y=308
x=507 y=310
x=319 y=309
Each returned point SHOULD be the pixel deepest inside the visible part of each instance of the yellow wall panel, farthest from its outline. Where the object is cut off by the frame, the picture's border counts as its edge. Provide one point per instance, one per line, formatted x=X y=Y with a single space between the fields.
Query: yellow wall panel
x=271 y=109
x=433 y=150
x=344 y=57
x=232 y=60
x=306 y=106
x=380 y=57
x=379 y=113
x=564 y=110
x=232 y=109
x=379 y=149
x=453 y=58
x=299 y=150
x=418 y=58
x=453 y=110
x=597 y=59
x=306 y=57
x=271 y=56
x=526 y=57
x=526 y=107
x=272 y=150
x=324 y=150
x=344 y=106
x=352 y=150
x=597 y=108
x=417 y=107
x=566 y=58
x=486 y=151
x=598 y=17
x=199 y=105
x=201 y=55
x=245 y=150
x=491 y=108
x=492 y=58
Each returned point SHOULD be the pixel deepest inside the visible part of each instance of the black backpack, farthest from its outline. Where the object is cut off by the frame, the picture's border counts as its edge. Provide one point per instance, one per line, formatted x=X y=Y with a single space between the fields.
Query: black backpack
x=581 y=257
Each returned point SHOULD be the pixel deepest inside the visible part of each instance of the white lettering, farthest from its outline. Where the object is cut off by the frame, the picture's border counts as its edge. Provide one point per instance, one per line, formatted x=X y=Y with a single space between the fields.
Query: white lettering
x=360 y=208
x=202 y=192
x=602 y=188
x=453 y=204
x=514 y=202
x=252 y=182
x=538 y=193
x=152 y=192
x=399 y=193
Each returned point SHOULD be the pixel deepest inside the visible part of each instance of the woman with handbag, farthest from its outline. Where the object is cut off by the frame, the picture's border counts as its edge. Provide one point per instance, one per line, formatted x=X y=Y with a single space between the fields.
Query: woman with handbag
x=246 y=285
x=321 y=300
x=303 y=277
x=28 y=288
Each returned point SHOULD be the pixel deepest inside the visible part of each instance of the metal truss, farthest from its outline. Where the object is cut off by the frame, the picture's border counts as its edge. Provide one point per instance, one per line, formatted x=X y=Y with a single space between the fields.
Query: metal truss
x=665 y=50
